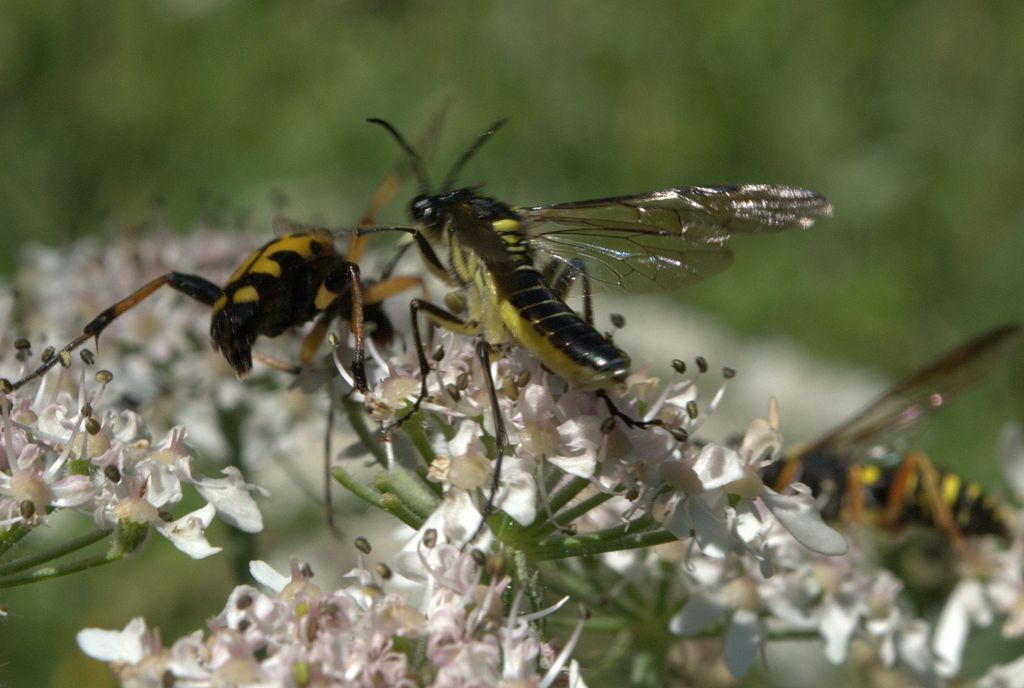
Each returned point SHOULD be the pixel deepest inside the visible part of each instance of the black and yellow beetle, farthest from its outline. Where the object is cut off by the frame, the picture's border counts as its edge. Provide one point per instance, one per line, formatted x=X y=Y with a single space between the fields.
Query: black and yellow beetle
x=294 y=278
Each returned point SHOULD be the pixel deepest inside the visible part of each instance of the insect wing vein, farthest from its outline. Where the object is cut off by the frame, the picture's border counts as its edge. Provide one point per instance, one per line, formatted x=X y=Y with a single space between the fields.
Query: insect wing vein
x=670 y=238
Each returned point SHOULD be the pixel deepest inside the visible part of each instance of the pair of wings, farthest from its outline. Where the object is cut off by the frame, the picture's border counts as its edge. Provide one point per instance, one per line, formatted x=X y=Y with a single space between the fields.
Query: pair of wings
x=665 y=239
x=907 y=402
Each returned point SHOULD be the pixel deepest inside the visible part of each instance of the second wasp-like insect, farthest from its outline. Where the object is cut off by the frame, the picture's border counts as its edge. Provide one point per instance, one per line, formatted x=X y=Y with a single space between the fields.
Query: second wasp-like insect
x=909 y=489
x=512 y=266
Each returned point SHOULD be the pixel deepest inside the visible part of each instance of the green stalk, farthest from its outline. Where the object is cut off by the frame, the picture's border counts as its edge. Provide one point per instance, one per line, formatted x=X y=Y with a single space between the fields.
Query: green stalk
x=56 y=552
x=356 y=418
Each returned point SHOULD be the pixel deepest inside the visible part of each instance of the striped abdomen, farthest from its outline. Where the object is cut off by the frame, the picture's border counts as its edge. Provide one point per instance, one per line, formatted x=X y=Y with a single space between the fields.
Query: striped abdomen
x=973 y=512
x=564 y=342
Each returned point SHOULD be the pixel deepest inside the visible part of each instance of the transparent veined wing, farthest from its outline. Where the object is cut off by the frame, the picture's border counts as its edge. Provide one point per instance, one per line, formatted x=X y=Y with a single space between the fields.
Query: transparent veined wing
x=666 y=239
x=926 y=389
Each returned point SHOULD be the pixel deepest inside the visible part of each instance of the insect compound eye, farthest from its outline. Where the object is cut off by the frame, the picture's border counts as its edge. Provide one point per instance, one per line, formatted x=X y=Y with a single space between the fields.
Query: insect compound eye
x=423 y=209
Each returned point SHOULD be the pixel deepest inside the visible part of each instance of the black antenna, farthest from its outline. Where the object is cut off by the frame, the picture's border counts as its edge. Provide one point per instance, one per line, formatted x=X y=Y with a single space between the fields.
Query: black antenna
x=449 y=181
x=414 y=158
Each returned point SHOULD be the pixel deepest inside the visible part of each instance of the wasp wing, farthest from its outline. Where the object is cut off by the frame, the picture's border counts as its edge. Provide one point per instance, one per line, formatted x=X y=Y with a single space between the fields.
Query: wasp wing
x=928 y=388
x=666 y=239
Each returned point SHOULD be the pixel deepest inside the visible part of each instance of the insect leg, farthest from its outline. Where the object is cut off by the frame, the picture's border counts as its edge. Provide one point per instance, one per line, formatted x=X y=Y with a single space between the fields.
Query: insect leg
x=916 y=463
x=560 y=277
x=500 y=437
x=442 y=318
x=194 y=286
x=346 y=275
x=386 y=288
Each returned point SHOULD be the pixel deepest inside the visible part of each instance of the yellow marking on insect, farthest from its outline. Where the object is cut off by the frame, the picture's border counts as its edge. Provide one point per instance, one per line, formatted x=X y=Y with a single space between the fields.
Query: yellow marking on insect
x=324 y=298
x=246 y=294
x=244 y=267
x=219 y=304
x=950 y=488
x=506 y=225
x=304 y=245
x=870 y=474
x=973 y=491
x=552 y=356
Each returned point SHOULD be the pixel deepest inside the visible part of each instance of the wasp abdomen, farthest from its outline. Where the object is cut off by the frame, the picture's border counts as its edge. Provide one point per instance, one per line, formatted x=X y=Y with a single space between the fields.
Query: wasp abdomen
x=565 y=343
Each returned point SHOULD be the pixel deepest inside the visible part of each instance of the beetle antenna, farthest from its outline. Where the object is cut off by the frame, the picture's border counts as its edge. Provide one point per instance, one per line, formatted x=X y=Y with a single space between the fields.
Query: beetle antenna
x=449 y=181
x=414 y=158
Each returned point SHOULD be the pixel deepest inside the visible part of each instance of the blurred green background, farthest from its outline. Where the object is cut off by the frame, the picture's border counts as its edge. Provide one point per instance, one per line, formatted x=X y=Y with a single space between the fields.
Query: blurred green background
x=906 y=115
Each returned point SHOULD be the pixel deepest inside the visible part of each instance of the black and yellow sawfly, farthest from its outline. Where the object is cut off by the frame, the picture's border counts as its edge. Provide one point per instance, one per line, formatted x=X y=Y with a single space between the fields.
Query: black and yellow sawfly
x=512 y=266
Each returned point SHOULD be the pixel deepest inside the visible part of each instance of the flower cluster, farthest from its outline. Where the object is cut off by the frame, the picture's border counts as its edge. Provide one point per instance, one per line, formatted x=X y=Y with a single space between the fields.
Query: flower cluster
x=294 y=633
x=669 y=540
x=60 y=451
x=748 y=563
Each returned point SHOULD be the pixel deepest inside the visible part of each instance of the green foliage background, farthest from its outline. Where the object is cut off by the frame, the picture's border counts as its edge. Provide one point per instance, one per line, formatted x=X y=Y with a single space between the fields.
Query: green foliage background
x=906 y=115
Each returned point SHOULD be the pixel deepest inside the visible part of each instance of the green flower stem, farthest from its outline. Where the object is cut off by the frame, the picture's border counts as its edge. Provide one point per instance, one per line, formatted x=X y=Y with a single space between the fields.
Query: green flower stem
x=569 y=515
x=368 y=438
x=407 y=487
x=599 y=542
x=567 y=493
x=396 y=508
x=13 y=536
x=349 y=482
x=414 y=430
x=56 y=552
x=52 y=571
x=582 y=586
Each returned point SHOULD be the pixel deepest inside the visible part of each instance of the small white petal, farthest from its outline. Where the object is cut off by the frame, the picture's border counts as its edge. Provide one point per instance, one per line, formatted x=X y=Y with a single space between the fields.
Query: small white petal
x=837 y=627
x=187 y=533
x=267 y=576
x=232 y=499
x=742 y=641
x=128 y=646
x=965 y=604
x=798 y=514
x=717 y=466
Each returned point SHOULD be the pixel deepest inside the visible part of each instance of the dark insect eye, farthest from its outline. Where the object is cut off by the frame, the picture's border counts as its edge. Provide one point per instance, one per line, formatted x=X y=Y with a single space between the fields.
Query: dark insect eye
x=423 y=208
